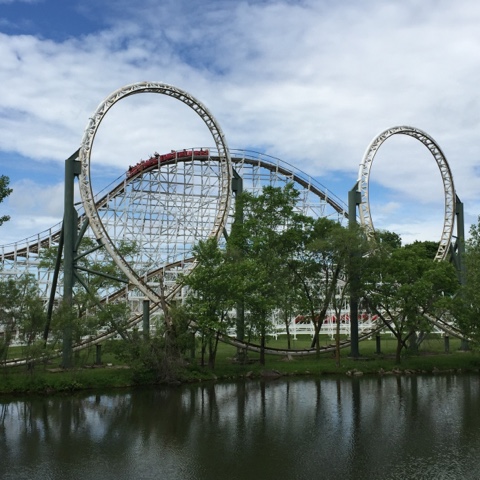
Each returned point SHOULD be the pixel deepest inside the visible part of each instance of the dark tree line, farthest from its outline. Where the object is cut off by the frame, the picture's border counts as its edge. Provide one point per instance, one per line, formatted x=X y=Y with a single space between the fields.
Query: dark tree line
x=280 y=262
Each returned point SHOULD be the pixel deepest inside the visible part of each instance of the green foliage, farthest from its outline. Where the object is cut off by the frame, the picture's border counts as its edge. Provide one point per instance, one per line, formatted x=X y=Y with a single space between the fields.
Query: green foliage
x=323 y=264
x=88 y=312
x=5 y=191
x=149 y=358
x=113 y=316
x=278 y=261
x=103 y=271
x=64 y=315
x=432 y=359
x=212 y=289
x=260 y=246
x=427 y=248
x=467 y=302
x=22 y=312
x=388 y=240
x=212 y=295
x=404 y=286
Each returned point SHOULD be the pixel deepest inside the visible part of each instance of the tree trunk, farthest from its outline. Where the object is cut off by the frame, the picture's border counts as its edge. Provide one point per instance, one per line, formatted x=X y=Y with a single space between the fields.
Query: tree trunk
x=413 y=343
x=202 y=351
x=337 y=341
x=262 y=346
x=171 y=342
x=212 y=351
x=316 y=335
x=398 y=350
x=287 y=328
x=211 y=354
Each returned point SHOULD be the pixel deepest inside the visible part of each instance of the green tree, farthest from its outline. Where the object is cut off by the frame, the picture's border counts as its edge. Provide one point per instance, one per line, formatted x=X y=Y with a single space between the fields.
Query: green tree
x=261 y=247
x=404 y=286
x=387 y=239
x=5 y=191
x=322 y=267
x=348 y=251
x=467 y=302
x=22 y=313
x=211 y=296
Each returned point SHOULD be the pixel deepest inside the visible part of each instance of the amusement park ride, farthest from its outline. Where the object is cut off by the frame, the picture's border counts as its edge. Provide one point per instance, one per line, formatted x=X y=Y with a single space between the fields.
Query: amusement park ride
x=166 y=204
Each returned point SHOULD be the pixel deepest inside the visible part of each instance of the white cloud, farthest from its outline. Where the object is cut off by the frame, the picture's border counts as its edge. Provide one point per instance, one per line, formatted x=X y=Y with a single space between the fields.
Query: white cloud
x=312 y=82
x=28 y=196
x=33 y=208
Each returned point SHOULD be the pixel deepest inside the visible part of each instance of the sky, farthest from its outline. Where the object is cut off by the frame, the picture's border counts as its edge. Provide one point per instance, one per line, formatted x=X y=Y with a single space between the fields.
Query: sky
x=311 y=82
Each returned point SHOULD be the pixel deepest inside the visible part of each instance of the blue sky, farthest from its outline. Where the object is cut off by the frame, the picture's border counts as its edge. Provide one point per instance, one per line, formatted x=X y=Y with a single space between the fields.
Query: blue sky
x=311 y=82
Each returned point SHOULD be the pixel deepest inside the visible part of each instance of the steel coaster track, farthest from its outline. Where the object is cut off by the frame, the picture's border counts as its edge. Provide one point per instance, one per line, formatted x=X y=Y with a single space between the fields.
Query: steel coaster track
x=12 y=362
x=447 y=178
x=102 y=233
x=253 y=160
x=240 y=158
x=251 y=163
x=270 y=165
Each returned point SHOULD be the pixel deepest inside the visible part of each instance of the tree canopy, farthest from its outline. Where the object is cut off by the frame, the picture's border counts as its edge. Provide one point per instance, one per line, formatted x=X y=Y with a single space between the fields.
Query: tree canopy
x=467 y=302
x=404 y=286
x=5 y=191
x=278 y=263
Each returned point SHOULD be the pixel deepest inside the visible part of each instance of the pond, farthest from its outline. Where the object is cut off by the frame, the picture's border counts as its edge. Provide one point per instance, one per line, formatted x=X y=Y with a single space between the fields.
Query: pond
x=408 y=427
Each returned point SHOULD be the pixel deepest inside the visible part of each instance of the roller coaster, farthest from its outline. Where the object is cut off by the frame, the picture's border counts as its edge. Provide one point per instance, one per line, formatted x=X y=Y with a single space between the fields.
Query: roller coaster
x=166 y=204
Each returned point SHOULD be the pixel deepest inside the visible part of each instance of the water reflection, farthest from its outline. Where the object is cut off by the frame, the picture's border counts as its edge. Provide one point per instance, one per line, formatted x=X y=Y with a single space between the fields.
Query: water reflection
x=375 y=428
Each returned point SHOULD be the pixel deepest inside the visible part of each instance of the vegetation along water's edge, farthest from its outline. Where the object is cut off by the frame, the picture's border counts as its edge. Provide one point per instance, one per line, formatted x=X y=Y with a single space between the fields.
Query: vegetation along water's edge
x=112 y=373
x=282 y=279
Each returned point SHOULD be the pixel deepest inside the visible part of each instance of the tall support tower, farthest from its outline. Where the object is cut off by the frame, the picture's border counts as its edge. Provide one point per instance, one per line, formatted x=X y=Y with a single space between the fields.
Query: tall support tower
x=70 y=222
x=354 y=200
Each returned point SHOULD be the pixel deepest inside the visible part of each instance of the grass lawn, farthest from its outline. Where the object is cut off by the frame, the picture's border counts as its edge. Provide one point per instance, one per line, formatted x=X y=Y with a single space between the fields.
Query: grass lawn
x=431 y=357
x=113 y=374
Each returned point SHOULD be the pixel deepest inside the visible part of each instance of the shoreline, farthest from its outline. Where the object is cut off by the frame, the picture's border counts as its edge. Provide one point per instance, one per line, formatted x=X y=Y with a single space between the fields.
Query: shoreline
x=16 y=382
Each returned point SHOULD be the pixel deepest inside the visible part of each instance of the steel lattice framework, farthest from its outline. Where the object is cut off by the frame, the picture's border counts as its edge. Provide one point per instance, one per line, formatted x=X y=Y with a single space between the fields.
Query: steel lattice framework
x=450 y=196
x=169 y=207
x=201 y=208
x=176 y=201
x=165 y=207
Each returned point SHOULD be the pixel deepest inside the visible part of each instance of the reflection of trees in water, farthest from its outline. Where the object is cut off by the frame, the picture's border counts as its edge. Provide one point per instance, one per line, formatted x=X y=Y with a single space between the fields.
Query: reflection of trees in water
x=293 y=428
x=32 y=427
x=417 y=420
